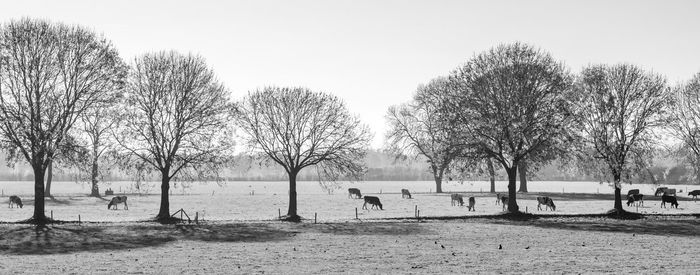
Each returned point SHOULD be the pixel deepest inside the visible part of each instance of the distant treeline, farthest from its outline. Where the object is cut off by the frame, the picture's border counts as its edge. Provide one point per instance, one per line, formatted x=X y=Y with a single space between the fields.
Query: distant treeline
x=382 y=167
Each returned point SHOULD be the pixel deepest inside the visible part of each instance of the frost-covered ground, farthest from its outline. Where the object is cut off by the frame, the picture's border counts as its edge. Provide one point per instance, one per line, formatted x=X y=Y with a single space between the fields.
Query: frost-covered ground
x=556 y=245
x=256 y=201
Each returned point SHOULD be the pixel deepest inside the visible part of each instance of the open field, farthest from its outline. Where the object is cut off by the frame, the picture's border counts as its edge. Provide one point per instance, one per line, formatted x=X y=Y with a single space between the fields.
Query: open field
x=234 y=202
x=545 y=245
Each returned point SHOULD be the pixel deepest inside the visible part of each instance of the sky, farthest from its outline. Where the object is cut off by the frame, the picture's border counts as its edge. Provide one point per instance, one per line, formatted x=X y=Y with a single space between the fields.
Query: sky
x=374 y=54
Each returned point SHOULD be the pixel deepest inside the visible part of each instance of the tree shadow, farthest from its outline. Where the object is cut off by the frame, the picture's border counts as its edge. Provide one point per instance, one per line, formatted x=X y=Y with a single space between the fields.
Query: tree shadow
x=662 y=226
x=70 y=238
x=367 y=228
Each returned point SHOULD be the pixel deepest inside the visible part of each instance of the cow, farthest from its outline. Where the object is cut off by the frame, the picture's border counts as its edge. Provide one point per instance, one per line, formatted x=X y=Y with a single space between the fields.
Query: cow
x=669 y=199
x=694 y=193
x=547 y=202
x=504 y=202
x=660 y=191
x=457 y=199
x=374 y=201
x=405 y=193
x=117 y=200
x=670 y=192
x=15 y=200
x=639 y=198
x=472 y=202
x=499 y=196
x=633 y=192
x=354 y=192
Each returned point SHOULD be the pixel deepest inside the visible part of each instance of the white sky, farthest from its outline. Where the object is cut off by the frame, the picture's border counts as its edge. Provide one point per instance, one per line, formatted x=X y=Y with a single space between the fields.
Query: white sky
x=373 y=54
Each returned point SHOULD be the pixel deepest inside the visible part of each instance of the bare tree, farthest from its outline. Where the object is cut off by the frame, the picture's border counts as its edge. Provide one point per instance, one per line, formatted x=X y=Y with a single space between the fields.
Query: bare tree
x=618 y=108
x=422 y=128
x=685 y=124
x=99 y=154
x=49 y=75
x=176 y=119
x=512 y=103
x=297 y=128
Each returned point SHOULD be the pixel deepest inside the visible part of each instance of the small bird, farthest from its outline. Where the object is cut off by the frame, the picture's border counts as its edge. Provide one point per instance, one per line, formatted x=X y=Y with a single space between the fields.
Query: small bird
x=443 y=247
x=500 y=247
x=453 y=254
x=435 y=242
x=295 y=249
x=527 y=247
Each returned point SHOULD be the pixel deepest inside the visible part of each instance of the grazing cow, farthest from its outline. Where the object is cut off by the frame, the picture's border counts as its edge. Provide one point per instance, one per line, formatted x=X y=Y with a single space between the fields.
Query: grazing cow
x=660 y=191
x=504 y=202
x=499 y=197
x=457 y=199
x=547 y=202
x=694 y=193
x=374 y=201
x=354 y=192
x=405 y=193
x=639 y=198
x=15 y=200
x=669 y=199
x=633 y=192
x=472 y=202
x=117 y=200
x=670 y=192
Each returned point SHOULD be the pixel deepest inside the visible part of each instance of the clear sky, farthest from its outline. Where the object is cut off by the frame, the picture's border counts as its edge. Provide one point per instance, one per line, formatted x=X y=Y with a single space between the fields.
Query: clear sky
x=373 y=54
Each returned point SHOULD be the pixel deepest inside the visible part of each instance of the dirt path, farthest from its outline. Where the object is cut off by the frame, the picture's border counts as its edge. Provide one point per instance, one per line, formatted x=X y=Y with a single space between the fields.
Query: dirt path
x=545 y=245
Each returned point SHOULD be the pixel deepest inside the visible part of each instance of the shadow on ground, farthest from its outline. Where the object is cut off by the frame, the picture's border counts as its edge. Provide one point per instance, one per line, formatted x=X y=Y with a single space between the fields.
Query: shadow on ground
x=688 y=226
x=368 y=228
x=56 y=239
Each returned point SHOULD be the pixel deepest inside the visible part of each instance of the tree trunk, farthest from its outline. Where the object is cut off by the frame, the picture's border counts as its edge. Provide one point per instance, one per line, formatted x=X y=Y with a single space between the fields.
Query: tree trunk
x=618 y=187
x=523 y=177
x=39 y=206
x=492 y=175
x=292 y=211
x=512 y=179
x=95 y=190
x=164 y=212
x=49 y=177
x=438 y=184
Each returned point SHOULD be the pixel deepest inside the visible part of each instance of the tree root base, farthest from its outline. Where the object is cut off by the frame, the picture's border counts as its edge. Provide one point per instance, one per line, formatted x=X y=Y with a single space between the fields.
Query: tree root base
x=293 y=218
x=623 y=215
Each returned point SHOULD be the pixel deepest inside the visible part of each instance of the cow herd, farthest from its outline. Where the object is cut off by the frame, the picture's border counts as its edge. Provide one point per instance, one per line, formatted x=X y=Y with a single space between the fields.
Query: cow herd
x=17 y=201
x=455 y=200
x=633 y=198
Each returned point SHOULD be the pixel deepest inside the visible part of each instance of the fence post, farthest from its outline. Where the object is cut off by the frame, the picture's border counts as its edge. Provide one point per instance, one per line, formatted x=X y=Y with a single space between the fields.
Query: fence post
x=415 y=212
x=79 y=221
x=525 y=209
x=315 y=216
x=279 y=214
x=356 y=216
x=52 y=214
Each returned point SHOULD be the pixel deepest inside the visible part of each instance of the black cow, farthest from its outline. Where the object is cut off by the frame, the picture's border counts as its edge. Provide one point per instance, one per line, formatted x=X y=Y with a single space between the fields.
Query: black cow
x=117 y=200
x=694 y=193
x=374 y=201
x=472 y=202
x=354 y=192
x=504 y=201
x=15 y=200
x=499 y=197
x=547 y=202
x=660 y=191
x=405 y=193
x=457 y=199
x=639 y=198
x=669 y=199
x=633 y=192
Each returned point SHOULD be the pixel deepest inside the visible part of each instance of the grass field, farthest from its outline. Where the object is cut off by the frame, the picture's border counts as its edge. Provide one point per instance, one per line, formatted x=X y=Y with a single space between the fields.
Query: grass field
x=552 y=245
